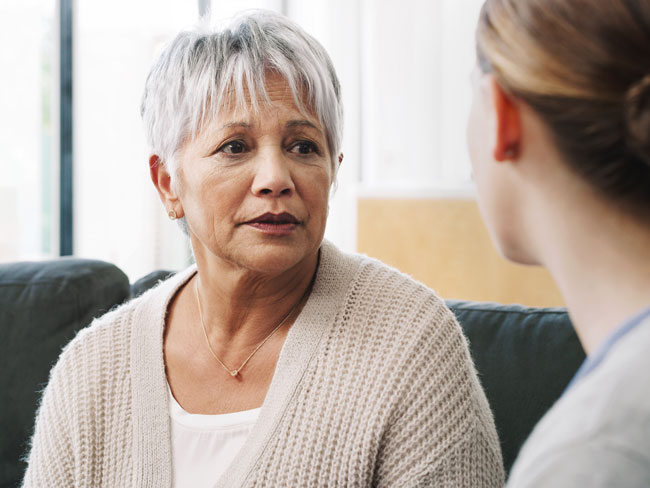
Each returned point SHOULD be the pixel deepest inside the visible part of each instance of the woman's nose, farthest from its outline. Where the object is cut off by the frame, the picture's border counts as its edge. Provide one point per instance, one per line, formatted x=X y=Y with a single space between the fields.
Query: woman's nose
x=273 y=176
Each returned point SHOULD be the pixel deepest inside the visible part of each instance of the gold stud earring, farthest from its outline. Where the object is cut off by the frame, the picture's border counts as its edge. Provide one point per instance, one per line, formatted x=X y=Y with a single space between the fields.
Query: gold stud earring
x=172 y=215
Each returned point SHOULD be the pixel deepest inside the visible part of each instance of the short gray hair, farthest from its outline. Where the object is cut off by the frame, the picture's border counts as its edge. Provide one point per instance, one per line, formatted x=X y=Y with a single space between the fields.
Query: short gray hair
x=199 y=70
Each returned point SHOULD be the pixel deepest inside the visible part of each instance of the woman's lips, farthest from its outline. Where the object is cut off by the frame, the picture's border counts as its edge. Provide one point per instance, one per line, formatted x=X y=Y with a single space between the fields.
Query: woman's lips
x=274 y=229
x=281 y=224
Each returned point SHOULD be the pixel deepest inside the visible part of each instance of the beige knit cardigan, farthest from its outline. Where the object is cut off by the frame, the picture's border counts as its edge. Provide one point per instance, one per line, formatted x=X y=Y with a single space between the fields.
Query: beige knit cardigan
x=374 y=387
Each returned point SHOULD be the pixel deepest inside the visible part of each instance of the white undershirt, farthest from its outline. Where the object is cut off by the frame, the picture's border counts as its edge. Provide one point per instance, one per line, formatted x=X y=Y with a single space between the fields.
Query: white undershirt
x=203 y=446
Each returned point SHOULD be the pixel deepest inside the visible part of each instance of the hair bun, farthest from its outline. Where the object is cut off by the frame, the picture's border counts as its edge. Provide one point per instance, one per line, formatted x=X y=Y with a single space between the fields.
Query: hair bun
x=637 y=118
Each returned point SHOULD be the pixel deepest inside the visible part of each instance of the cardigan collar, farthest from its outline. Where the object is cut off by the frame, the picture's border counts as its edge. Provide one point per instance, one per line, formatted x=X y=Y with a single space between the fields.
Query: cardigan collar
x=151 y=426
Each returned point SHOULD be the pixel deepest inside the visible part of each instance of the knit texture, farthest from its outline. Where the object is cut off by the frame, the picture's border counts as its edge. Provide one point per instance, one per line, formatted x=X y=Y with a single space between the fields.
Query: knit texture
x=374 y=387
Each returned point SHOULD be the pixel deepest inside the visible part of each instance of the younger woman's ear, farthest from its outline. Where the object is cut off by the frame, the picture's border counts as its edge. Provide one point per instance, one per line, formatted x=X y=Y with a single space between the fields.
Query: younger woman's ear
x=163 y=182
x=507 y=145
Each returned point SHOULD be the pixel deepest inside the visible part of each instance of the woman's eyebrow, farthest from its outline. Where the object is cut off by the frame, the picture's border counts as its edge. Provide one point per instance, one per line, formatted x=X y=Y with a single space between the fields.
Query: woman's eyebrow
x=302 y=123
x=236 y=123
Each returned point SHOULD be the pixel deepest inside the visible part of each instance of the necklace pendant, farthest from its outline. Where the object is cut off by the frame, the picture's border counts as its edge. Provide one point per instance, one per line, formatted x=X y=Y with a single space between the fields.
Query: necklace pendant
x=234 y=372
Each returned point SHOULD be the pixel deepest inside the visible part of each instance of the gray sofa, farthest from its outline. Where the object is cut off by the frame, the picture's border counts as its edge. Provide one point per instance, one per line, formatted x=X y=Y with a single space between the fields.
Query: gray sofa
x=525 y=356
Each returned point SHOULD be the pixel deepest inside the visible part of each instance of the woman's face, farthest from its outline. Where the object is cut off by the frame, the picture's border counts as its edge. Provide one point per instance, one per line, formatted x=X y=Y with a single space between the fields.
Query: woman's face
x=497 y=189
x=254 y=187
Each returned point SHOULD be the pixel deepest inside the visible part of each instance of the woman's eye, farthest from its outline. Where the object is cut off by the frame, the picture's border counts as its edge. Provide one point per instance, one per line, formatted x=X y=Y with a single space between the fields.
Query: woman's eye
x=233 y=147
x=304 y=147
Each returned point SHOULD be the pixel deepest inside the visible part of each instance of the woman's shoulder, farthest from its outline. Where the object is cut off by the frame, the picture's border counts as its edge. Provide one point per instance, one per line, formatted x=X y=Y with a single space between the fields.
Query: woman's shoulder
x=101 y=349
x=393 y=307
x=384 y=287
x=369 y=268
x=109 y=336
x=398 y=328
x=376 y=274
x=407 y=327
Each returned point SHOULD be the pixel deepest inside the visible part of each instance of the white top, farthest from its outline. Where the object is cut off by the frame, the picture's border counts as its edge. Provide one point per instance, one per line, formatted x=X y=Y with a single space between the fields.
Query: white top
x=203 y=446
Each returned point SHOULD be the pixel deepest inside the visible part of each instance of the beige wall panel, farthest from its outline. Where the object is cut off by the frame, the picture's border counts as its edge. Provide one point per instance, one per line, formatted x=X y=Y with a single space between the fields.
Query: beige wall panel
x=444 y=244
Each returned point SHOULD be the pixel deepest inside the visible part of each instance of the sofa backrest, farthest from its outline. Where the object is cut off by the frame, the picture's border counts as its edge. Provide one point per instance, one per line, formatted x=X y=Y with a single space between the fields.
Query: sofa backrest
x=42 y=306
x=525 y=357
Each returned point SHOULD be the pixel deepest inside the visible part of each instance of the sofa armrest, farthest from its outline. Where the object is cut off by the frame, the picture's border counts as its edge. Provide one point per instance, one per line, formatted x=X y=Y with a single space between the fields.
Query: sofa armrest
x=42 y=306
x=525 y=358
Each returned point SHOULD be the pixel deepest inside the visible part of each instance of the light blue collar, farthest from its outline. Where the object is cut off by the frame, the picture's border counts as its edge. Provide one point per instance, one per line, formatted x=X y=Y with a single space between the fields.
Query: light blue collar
x=594 y=360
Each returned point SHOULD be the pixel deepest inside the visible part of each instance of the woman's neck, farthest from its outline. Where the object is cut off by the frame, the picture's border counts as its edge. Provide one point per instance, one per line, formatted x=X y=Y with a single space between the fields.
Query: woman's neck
x=600 y=260
x=243 y=306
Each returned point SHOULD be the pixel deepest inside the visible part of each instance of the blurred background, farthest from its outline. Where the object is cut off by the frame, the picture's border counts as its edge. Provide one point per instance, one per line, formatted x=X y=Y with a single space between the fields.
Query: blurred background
x=73 y=161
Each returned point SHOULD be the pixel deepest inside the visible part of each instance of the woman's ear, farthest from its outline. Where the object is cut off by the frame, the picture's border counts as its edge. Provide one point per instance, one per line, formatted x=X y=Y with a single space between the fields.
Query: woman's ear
x=507 y=145
x=162 y=180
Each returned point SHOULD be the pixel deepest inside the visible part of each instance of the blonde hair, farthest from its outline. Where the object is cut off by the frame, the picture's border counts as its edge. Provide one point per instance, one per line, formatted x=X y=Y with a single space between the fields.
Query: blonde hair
x=584 y=67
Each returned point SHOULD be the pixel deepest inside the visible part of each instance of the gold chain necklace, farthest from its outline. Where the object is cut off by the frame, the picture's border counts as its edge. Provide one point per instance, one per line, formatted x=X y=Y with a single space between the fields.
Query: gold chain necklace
x=235 y=372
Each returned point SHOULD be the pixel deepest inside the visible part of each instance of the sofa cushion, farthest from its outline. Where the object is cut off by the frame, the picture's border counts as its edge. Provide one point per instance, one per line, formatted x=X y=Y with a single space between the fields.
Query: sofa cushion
x=42 y=306
x=149 y=281
x=525 y=358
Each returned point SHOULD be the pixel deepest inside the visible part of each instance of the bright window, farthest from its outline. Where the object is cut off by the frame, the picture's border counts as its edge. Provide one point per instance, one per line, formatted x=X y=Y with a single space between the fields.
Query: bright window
x=27 y=101
x=404 y=70
x=118 y=217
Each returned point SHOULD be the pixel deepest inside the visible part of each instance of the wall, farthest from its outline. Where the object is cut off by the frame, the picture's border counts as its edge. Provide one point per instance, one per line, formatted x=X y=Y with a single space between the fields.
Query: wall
x=444 y=244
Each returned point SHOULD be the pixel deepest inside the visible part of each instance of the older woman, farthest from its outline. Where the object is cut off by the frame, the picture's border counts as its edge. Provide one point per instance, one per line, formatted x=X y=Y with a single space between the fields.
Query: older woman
x=560 y=143
x=276 y=360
